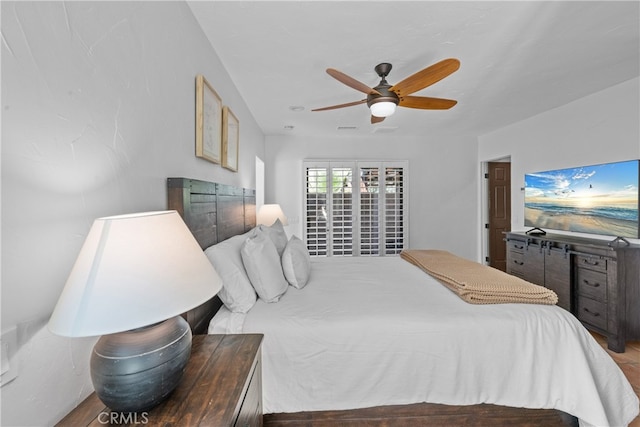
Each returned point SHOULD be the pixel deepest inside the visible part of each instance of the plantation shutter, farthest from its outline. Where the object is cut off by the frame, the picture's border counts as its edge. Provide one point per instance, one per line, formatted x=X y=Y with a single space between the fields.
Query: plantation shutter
x=341 y=229
x=394 y=199
x=315 y=209
x=370 y=210
x=355 y=208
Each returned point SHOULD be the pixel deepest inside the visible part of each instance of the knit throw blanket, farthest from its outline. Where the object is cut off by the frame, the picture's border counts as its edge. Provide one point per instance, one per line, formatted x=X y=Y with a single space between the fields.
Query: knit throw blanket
x=476 y=283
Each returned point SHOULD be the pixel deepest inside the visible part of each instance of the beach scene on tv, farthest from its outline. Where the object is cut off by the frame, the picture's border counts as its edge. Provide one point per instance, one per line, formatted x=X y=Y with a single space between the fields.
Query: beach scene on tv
x=598 y=199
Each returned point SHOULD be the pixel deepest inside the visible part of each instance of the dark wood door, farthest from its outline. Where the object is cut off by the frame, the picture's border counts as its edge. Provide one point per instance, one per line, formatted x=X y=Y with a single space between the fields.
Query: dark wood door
x=499 y=212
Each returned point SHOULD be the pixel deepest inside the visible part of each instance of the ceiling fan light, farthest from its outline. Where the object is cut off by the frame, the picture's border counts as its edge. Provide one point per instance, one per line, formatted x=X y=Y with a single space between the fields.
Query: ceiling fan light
x=383 y=108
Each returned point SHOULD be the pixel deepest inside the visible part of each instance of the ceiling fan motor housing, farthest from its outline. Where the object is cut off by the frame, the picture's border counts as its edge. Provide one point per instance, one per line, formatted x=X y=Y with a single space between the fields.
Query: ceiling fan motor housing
x=385 y=95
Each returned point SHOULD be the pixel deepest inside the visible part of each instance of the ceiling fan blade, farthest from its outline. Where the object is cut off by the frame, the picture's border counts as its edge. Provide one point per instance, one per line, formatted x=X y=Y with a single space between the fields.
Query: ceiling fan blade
x=426 y=77
x=348 y=104
x=351 y=82
x=426 y=103
x=376 y=119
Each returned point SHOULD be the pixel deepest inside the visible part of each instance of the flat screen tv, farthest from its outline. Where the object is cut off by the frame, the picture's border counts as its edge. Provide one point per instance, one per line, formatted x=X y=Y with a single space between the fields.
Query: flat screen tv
x=598 y=199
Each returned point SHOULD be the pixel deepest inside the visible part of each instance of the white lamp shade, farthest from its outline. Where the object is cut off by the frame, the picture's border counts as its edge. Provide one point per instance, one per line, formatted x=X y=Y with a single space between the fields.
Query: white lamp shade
x=383 y=109
x=268 y=214
x=133 y=271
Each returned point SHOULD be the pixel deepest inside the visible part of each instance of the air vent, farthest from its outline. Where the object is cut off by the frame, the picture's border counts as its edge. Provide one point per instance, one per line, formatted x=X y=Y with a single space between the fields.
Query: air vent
x=385 y=129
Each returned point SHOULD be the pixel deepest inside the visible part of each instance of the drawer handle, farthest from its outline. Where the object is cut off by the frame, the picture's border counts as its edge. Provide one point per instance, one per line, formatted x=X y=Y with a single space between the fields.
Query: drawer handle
x=518 y=246
x=518 y=262
x=589 y=262
x=594 y=314
x=595 y=285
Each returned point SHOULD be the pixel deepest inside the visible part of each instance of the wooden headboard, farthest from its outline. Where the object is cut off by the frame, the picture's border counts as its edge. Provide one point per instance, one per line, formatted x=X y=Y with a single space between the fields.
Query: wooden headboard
x=213 y=212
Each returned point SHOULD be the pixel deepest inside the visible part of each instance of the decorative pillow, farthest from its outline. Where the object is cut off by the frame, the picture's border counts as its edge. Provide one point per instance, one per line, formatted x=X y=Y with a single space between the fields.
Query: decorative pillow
x=296 y=263
x=262 y=263
x=237 y=294
x=277 y=234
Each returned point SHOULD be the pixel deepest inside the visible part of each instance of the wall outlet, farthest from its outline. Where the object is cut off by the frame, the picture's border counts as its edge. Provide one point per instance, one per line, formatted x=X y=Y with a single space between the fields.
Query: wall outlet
x=8 y=359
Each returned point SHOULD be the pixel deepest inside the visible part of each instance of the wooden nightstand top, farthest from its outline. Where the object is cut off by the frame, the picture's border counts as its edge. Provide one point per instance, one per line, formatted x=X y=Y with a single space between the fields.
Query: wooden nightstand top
x=210 y=393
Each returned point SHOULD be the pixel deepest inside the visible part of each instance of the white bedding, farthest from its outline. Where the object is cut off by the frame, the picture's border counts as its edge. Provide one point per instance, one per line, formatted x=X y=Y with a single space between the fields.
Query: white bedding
x=378 y=331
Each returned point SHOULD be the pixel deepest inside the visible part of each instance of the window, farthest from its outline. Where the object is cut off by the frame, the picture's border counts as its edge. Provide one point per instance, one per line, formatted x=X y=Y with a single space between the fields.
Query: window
x=361 y=216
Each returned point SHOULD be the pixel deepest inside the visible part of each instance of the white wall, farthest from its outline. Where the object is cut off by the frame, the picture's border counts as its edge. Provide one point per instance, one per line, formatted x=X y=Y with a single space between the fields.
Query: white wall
x=98 y=109
x=443 y=173
x=600 y=128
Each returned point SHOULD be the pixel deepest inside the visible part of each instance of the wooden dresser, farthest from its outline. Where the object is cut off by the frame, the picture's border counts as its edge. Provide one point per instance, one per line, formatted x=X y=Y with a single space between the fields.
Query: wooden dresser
x=221 y=386
x=598 y=283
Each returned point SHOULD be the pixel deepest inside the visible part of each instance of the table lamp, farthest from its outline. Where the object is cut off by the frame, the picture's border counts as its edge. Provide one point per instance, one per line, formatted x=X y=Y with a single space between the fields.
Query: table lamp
x=269 y=213
x=135 y=275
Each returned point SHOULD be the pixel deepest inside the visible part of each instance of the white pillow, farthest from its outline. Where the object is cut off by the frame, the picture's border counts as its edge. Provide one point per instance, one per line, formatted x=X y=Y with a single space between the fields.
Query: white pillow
x=263 y=267
x=296 y=263
x=277 y=235
x=237 y=294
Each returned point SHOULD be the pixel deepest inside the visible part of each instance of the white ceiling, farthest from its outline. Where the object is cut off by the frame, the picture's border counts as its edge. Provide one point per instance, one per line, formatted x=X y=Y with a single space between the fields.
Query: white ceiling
x=518 y=58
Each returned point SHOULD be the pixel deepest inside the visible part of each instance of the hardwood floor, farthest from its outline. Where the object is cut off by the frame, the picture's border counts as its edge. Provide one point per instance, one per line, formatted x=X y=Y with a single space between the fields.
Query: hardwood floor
x=432 y=415
x=629 y=363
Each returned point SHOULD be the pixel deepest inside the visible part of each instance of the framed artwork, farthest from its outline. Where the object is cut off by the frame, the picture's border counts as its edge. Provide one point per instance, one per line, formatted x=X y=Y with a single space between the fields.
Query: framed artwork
x=208 y=121
x=230 y=139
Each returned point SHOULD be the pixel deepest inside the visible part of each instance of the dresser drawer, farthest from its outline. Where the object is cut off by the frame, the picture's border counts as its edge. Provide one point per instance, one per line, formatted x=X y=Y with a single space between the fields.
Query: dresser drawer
x=592 y=312
x=592 y=263
x=515 y=263
x=592 y=284
x=516 y=246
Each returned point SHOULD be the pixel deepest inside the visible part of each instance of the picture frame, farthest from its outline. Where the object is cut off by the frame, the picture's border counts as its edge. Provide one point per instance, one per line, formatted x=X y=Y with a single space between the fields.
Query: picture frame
x=230 y=139
x=208 y=121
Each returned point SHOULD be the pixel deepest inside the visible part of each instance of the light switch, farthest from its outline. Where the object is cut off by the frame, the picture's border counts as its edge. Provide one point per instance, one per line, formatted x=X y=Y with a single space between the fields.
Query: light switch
x=8 y=359
x=4 y=362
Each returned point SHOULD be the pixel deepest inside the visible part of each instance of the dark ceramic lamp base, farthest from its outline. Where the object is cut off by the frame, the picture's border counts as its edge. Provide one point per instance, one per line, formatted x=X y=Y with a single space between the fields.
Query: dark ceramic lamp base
x=134 y=371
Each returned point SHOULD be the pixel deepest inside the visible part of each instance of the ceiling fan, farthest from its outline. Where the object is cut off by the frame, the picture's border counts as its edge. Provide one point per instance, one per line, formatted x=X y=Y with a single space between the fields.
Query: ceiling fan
x=383 y=99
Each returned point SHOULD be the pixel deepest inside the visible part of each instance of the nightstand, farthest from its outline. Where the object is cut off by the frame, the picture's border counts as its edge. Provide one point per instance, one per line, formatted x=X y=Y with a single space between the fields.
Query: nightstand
x=221 y=386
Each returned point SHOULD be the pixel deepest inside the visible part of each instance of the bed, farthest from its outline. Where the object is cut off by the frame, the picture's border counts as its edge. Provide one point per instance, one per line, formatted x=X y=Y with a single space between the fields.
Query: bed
x=380 y=333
